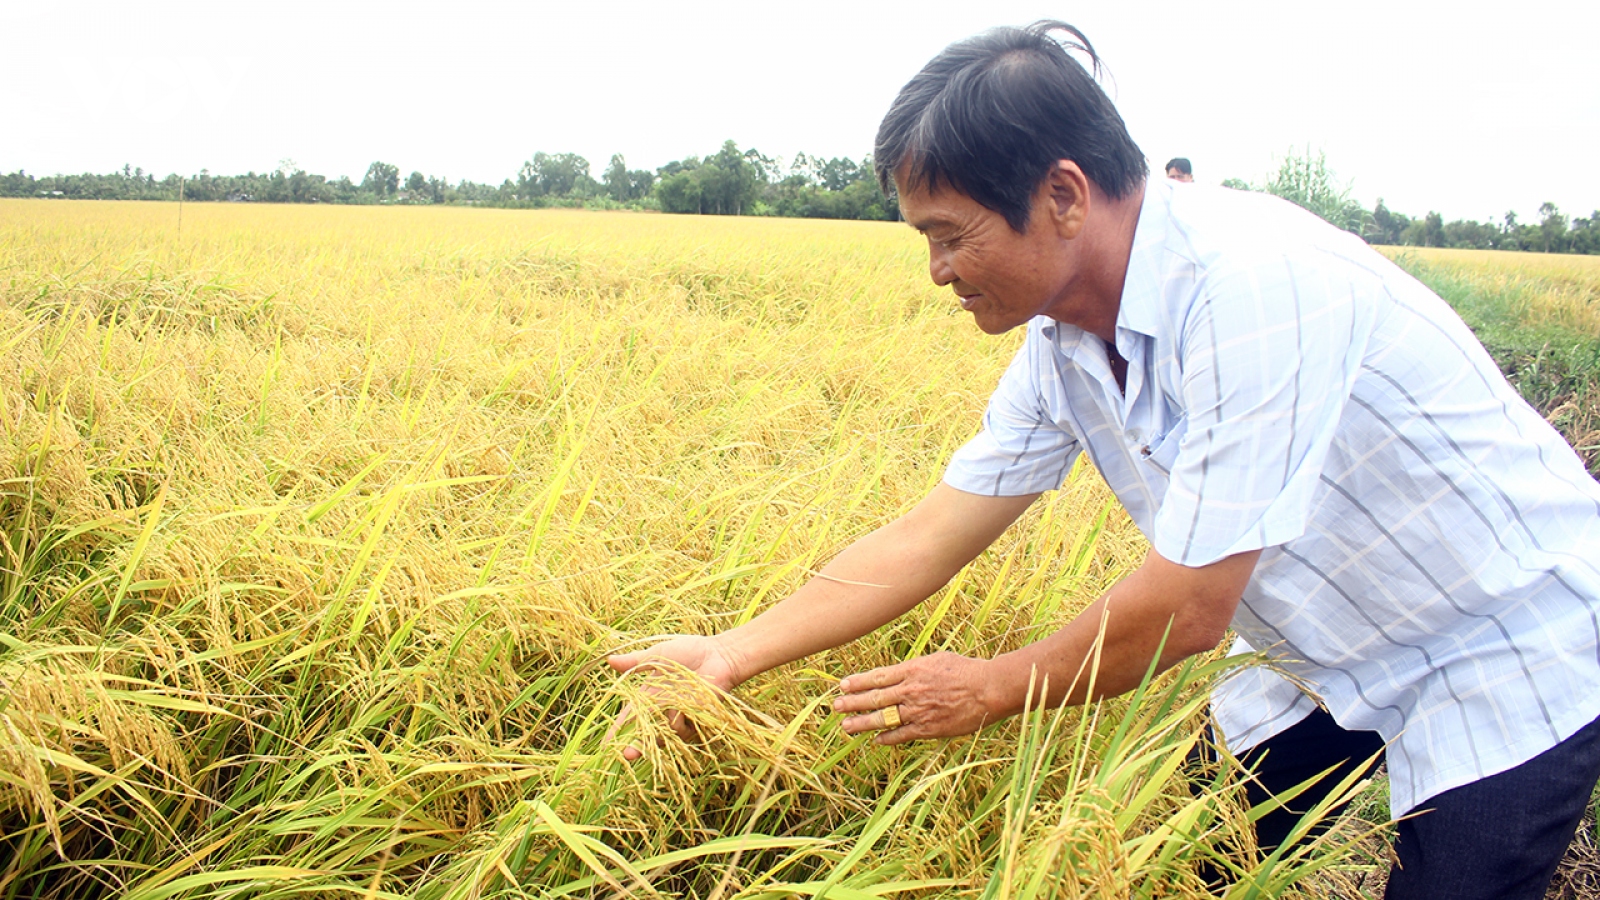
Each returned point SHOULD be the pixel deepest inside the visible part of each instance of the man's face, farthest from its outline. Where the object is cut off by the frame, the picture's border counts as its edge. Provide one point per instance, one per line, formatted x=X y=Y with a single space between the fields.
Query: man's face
x=1177 y=174
x=1000 y=276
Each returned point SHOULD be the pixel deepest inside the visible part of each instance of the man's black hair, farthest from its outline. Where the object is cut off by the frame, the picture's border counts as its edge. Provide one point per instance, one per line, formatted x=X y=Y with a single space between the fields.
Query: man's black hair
x=1180 y=163
x=990 y=115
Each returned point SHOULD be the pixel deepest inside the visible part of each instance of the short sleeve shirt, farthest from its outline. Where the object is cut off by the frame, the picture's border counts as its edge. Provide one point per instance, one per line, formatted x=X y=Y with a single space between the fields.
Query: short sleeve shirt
x=1430 y=543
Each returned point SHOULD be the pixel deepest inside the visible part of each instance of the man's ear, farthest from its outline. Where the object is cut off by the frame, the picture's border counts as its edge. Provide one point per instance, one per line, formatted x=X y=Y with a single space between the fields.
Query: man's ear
x=1067 y=198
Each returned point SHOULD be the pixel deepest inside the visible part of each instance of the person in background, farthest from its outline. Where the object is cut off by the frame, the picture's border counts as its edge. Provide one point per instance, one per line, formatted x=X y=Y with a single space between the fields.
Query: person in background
x=1178 y=169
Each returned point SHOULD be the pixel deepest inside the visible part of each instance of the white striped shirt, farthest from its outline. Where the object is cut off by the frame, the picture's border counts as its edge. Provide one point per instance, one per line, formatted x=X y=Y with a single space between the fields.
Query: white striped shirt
x=1430 y=543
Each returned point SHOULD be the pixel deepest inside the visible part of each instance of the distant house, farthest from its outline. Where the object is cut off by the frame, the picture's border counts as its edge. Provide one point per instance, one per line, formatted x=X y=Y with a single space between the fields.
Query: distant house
x=51 y=194
x=239 y=197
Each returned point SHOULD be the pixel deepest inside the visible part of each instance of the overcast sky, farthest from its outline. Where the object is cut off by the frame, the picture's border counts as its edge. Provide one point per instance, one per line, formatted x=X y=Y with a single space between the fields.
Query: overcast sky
x=1430 y=105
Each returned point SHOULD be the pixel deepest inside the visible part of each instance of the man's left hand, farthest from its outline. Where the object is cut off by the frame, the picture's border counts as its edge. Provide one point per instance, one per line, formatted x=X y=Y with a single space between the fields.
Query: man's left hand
x=937 y=696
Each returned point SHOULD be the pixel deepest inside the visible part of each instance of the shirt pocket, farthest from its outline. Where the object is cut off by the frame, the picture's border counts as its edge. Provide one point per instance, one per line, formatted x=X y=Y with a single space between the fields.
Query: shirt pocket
x=1162 y=451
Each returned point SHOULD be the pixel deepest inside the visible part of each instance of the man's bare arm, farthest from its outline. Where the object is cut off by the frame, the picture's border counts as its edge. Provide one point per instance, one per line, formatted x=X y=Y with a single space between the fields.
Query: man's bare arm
x=1197 y=602
x=876 y=579
x=944 y=695
x=870 y=583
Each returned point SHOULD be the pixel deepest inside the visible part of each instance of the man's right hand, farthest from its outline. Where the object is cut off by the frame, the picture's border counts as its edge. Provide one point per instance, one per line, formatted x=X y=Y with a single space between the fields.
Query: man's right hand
x=706 y=657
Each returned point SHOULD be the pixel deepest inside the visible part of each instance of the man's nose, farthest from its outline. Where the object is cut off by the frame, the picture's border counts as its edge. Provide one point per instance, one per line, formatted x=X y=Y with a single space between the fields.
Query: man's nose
x=939 y=265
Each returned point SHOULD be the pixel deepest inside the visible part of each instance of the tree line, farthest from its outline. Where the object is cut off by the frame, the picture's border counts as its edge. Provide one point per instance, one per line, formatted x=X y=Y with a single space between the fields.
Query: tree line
x=1555 y=232
x=730 y=181
x=1306 y=180
x=735 y=182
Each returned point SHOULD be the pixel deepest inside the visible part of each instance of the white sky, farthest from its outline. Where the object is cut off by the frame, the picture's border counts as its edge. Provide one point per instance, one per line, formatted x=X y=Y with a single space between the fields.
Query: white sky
x=1465 y=108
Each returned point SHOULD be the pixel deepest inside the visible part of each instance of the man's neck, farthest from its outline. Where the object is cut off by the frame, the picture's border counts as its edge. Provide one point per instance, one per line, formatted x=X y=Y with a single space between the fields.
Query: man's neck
x=1106 y=261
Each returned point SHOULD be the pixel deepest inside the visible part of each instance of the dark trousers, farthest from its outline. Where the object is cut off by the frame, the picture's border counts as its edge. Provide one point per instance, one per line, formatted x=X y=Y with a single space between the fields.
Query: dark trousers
x=1499 y=838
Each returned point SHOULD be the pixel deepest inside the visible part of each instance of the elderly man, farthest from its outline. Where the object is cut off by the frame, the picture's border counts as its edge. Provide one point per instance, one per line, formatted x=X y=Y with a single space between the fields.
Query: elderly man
x=1322 y=457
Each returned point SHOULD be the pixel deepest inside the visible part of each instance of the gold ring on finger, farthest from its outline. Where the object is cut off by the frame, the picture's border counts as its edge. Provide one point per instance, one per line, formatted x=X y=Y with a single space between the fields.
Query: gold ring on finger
x=891 y=717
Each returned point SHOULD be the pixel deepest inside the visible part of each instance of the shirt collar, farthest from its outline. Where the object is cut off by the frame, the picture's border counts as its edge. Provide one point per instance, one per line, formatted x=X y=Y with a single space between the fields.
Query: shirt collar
x=1139 y=309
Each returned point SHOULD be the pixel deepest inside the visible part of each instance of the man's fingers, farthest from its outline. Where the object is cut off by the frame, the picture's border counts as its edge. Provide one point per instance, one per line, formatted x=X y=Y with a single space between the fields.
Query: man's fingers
x=616 y=724
x=878 y=720
x=630 y=752
x=888 y=676
x=873 y=689
x=859 y=724
x=648 y=658
x=895 y=736
x=676 y=720
x=877 y=698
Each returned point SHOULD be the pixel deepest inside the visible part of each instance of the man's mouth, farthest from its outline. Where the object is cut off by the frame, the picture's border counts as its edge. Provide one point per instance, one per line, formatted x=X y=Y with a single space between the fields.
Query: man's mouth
x=967 y=300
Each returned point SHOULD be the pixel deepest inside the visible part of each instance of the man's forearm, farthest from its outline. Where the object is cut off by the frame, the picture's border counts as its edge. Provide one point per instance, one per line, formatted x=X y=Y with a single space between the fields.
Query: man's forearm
x=1161 y=607
x=875 y=580
x=870 y=584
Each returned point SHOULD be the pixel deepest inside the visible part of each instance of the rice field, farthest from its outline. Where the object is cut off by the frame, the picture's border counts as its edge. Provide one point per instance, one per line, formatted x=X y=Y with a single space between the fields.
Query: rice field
x=318 y=524
x=1559 y=290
